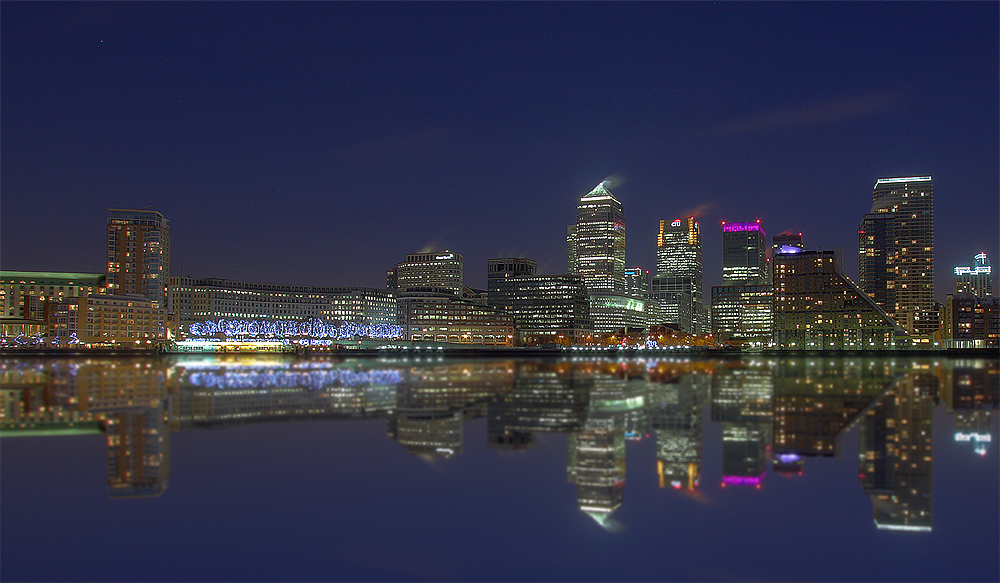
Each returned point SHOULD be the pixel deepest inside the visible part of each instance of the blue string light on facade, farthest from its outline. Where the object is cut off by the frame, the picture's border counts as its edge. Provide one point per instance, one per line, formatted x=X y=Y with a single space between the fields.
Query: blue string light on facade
x=288 y=329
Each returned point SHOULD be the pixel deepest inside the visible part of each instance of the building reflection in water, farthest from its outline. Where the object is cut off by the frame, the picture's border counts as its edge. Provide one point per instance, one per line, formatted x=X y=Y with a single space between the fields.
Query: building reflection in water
x=896 y=457
x=778 y=410
x=742 y=399
x=675 y=413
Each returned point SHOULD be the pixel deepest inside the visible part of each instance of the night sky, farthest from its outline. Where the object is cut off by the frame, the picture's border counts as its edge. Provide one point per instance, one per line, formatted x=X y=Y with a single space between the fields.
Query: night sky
x=319 y=143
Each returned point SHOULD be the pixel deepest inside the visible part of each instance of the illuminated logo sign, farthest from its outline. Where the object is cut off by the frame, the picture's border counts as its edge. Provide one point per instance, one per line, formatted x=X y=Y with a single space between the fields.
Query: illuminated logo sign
x=977 y=437
x=448 y=256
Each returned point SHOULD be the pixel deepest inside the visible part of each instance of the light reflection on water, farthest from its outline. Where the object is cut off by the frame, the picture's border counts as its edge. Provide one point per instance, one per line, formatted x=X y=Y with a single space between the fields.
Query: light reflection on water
x=776 y=416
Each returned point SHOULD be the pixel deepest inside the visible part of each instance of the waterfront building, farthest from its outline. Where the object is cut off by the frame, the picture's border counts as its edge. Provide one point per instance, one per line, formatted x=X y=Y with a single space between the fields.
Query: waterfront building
x=744 y=254
x=676 y=293
x=896 y=252
x=545 y=308
x=125 y=321
x=970 y=321
x=138 y=254
x=476 y=296
x=817 y=307
x=438 y=317
x=741 y=315
x=197 y=300
x=23 y=294
x=599 y=241
x=976 y=280
x=437 y=271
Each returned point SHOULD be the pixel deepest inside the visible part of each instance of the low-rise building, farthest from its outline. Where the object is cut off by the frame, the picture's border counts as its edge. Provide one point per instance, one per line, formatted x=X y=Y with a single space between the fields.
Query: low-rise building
x=437 y=317
x=198 y=300
x=23 y=294
x=969 y=321
x=127 y=321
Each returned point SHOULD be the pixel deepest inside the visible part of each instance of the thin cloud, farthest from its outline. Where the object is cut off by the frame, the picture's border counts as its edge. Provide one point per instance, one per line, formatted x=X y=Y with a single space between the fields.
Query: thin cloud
x=696 y=212
x=824 y=112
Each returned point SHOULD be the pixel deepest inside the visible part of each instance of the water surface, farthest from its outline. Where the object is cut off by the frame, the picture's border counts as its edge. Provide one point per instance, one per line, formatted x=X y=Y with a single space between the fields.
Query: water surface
x=273 y=468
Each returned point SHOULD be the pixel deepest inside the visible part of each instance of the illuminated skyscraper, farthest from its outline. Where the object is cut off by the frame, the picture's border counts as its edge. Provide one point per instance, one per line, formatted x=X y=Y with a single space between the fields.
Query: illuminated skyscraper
x=744 y=254
x=896 y=251
x=138 y=254
x=599 y=241
x=678 y=250
x=976 y=280
x=741 y=307
x=676 y=295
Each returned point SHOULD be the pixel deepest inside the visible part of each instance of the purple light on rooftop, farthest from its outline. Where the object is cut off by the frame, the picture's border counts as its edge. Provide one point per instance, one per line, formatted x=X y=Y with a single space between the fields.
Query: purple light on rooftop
x=742 y=480
x=787 y=458
x=740 y=227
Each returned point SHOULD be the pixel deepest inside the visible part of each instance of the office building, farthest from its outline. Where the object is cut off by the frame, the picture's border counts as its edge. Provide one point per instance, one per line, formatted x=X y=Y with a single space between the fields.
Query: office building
x=499 y=294
x=433 y=317
x=23 y=294
x=669 y=305
x=976 y=280
x=637 y=282
x=896 y=252
x=741 y=315
x=744 y=254
x=571 y=254
x=599 y=241
x=138 y=254
x=544 y=308
x=197 y=300
x=678 y=250
x=676 y=293
x=438 y=272
x=816 y=307
x=612 y=312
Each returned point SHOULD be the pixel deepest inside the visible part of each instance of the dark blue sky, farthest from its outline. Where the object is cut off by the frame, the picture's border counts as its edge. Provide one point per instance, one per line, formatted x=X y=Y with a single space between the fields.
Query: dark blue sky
x=318 y=143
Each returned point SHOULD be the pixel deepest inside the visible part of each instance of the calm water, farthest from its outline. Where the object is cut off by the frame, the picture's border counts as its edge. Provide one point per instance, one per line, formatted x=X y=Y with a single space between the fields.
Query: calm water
x=271 y=468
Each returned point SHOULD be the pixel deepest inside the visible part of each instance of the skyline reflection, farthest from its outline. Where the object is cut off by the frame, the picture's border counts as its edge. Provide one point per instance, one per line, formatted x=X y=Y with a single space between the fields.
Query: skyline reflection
x=773 y=413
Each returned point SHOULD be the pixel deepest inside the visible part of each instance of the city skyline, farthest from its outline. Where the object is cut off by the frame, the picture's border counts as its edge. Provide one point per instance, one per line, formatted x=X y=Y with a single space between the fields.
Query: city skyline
x=297 y=158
